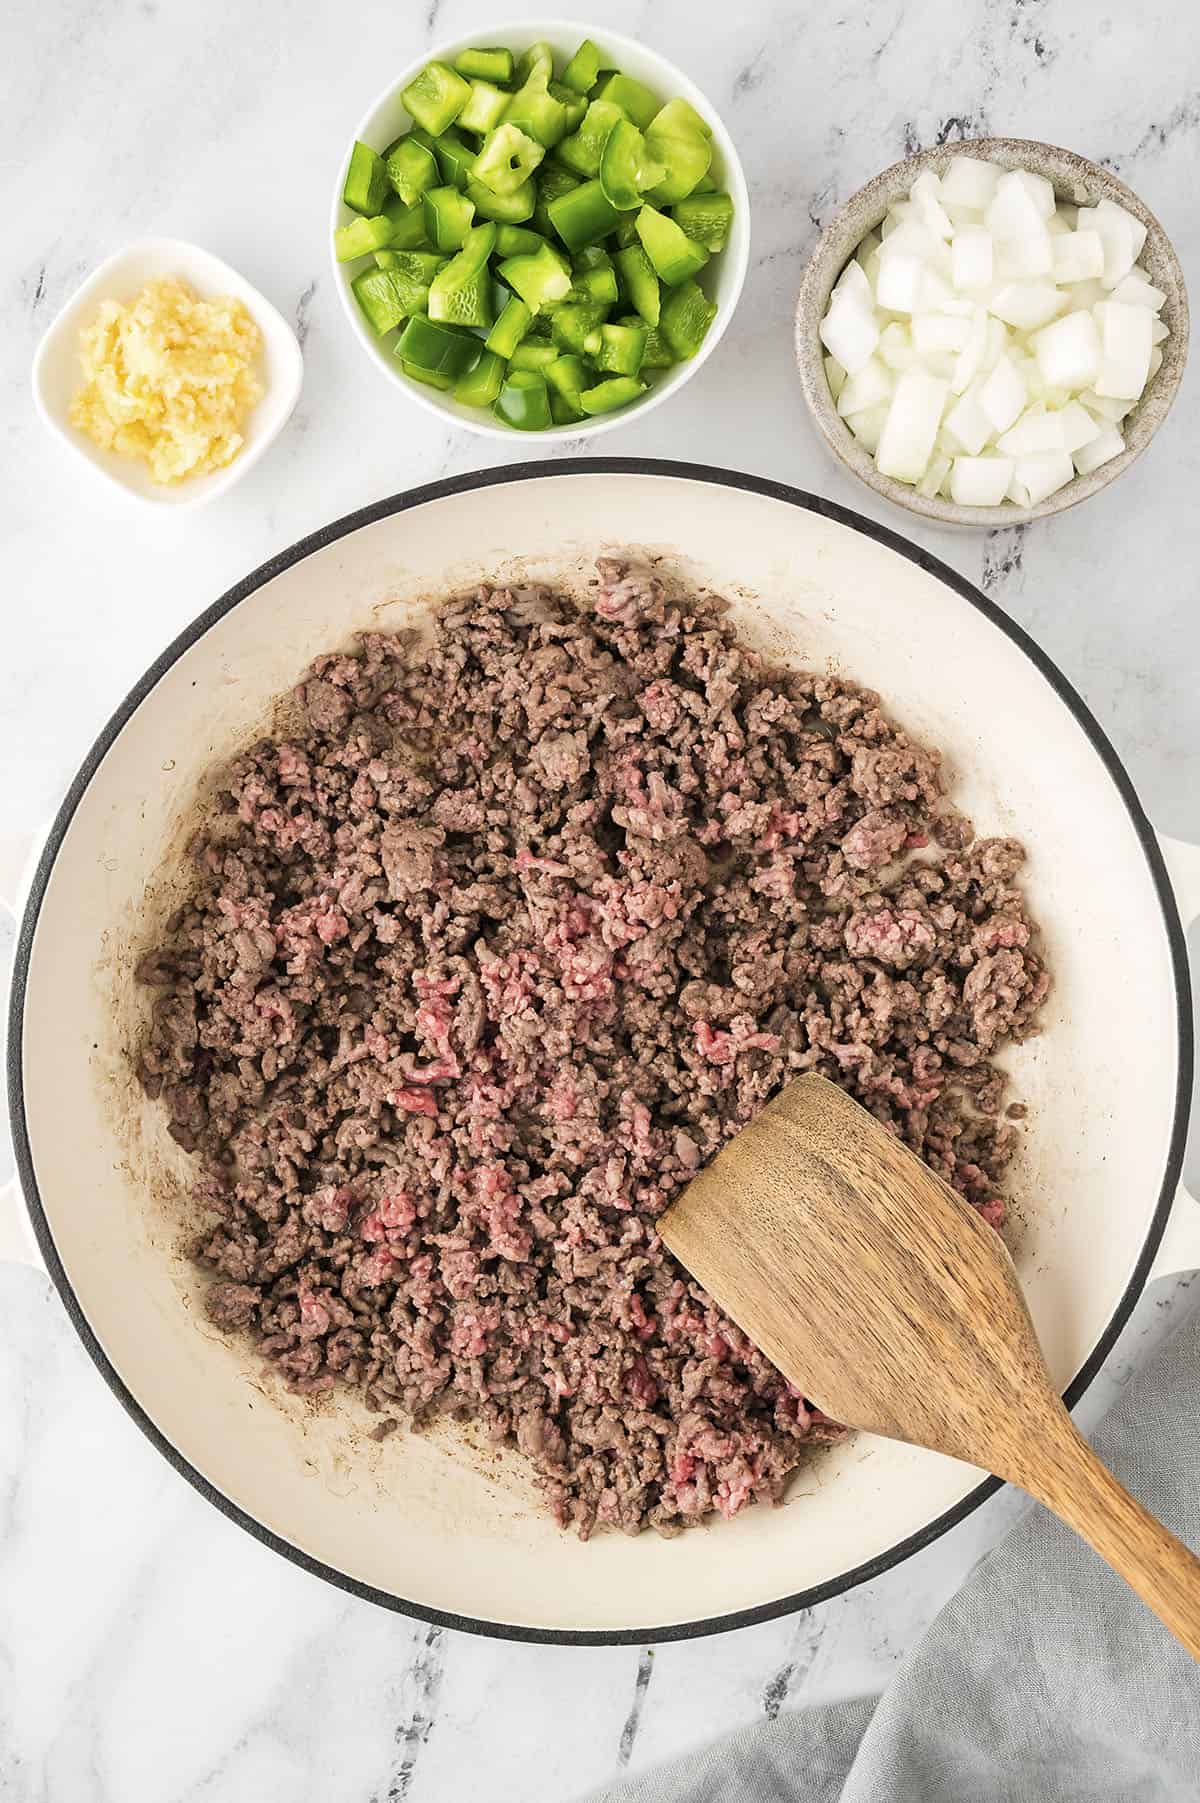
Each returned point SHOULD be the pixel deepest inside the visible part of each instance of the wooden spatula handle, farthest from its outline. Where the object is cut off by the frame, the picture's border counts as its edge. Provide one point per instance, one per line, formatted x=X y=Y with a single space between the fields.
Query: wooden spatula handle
x=1082 y=1492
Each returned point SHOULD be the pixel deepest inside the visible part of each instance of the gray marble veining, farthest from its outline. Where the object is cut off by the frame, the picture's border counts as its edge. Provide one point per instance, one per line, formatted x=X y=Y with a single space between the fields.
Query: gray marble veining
x=149 y=1651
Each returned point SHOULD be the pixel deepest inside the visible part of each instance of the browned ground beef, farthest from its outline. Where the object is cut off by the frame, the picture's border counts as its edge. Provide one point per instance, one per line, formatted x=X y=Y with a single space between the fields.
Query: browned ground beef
x=499 y=948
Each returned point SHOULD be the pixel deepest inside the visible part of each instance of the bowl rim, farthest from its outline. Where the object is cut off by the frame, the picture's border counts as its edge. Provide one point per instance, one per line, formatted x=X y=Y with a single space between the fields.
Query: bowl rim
x=191 y=258
x=838 y=240
x=541 y=471
x=556 y=29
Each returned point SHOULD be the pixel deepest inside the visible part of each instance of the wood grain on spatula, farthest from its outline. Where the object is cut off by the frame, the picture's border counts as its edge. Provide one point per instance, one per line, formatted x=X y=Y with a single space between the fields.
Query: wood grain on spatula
x=882 y=1296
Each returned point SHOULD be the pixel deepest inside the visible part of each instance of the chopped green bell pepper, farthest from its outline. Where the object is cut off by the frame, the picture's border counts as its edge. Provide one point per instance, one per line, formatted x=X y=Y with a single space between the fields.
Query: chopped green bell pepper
x=706 y=185
x=675 y=256
x=582 y=151
x=486 y=65
x=537 y=60
x=376 y=294
x=536 y=112
x=396 y=288
x=626 y=167
x=568 y=376
x=706 y=218
x=574 y=105
x=561 y=410
x=606 y=397
x=485 y=109
x=523 y=401
x=517 y=241
x=622 y=349
x=576 y=327
x=635 y=100
x=436 y=97
x=366 y=181
x=448 y=216
x=507 y=159
x=534 y=353
x=640 y=282
x=442 y=349
x=461 y=293
x=432 y=378
x=509 y=329
x=584 y=215
x=552 y=181
x=360 y=237
x=480 y=386
x=658 y=353
x=541 y=280
x=686 y=317
x=455 y=160
x=411 y=169
x=583 y=70
x=678 y=138
x=594 y=275
x=408 y=224
x=508 y=209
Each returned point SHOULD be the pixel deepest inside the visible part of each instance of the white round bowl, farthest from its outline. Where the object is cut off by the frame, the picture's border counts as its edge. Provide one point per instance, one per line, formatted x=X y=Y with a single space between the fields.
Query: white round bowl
x=721 y=279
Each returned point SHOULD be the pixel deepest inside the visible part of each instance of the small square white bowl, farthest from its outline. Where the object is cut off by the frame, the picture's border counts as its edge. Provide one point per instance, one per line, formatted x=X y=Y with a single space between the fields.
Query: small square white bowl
x=56 y=372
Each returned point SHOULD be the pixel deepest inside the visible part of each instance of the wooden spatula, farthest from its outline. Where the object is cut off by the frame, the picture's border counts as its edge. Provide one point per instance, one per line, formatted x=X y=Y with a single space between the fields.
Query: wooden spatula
x=882 y=1295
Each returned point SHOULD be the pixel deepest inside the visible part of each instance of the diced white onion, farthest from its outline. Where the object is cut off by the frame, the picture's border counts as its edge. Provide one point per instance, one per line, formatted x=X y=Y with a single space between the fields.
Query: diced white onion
x=911 y=425
x=1079 y=427
x=898 y=285
x=867 y=427
x=1107 y=444
x=939 y=332
x=971 y=258
x=967 y=425
x=1125 y=349
x=1002 y=396
x=926 y=194
x=849 y=332
x=835 y=375
x=1068 y=352
x=1134 y=290
x=970 y=359
x=896 y=346
x=1078 y=257
x=1036 y=431
x=1036 y=478
x=936 y=471
x=969 y=182
x=869 y=386
x=980 y=481
x=1027 y=305
x=853 y=284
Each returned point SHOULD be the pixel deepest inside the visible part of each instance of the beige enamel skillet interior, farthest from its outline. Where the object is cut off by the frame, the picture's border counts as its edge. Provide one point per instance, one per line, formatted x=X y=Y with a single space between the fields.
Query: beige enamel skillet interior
x=434 y=1524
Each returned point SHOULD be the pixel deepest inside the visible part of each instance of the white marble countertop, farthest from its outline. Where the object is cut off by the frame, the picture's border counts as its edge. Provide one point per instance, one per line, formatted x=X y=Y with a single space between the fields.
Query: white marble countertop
x=150 y=1652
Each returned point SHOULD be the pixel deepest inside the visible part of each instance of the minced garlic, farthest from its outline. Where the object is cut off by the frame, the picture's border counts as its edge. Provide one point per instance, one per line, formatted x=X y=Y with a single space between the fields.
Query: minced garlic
x=169 y=378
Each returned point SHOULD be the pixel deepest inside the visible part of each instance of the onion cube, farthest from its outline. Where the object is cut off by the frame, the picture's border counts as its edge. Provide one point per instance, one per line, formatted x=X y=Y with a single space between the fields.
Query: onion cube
x=997 y=343
x=1078 y=257
x=849 y=332
x=1016 y=208
x=1104 y=407
x=1121 y=235
x=899 y=282
x=915 y=239
x=835 y=375
x=896 y=347
x=1158 y=332
x=853 y=284
x=1035 y=478
x=1125 y=346
x=1034 y=433
x=1137 y=290
x=1057 y=226
x=1078 y=427
x=970 y=359
x=1068 y=351
x=871 y=242
x=933 y=332
x=968 y=427
x=936 y=472
x=1027 y=305
x=935 y=294
x=971 y=258
x=911 y=425
x=870 y=386
x=1107 y=444
x=1003 y=395
x=1083 y=296
x=969 y=182
x=926 y=197
x=980 y=481
x=868 y=426
x=1155 y=362
x=1032 y=254
x=1112 y=218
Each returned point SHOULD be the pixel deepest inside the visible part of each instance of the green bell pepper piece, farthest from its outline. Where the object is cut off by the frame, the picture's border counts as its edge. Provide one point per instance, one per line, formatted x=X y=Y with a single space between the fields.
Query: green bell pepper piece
x=397 y=288
x=485 y=109
x=376 y=294
x=366 y=183
x=436 y=97
x=626 y=232
x=678 y=138
x=574 y=105
x=594 y=275
x=507 y=159
x=551 y=183
x=706 y=185
x=509 y=329
x=517 y=241
x=627 y=169
x=442 y=349
x=640 y=282
x=407 y=223
x=561 y=410
x=486 y=65
x=686 y=317
x=541 y=280
x=432 y=378
x=461 y=293
x=534 y=353
x=675 y=256
x=523 y=401
x=583 y=216
x=658 y=353
x=535 y=111
x=455 y=160
x=705 y=218
x=537 y=60
x=480 y=386
x=568 y=376
x=583 y=71
x=508 y=209
x=582 y=151
x=576 y=327
x=606 y=397
x=635 y=100
x=622 y=349
x=448 y=216
x=360 y=237
x=411 y=169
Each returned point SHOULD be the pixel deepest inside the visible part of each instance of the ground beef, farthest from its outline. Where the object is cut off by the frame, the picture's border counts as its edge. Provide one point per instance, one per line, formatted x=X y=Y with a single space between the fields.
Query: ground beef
x=501 y=945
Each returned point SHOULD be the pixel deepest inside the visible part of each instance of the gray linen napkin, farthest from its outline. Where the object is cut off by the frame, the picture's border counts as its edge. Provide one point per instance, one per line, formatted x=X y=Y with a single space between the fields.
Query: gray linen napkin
x=1043 y=1681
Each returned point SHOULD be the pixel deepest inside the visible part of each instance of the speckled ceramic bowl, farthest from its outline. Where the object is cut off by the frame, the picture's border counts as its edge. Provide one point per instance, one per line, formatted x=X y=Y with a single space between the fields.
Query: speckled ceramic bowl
x=1077 y=182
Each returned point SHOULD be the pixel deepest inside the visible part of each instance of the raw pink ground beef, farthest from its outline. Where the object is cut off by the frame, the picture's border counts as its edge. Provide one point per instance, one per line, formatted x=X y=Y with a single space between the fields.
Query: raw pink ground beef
x=501 y=946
